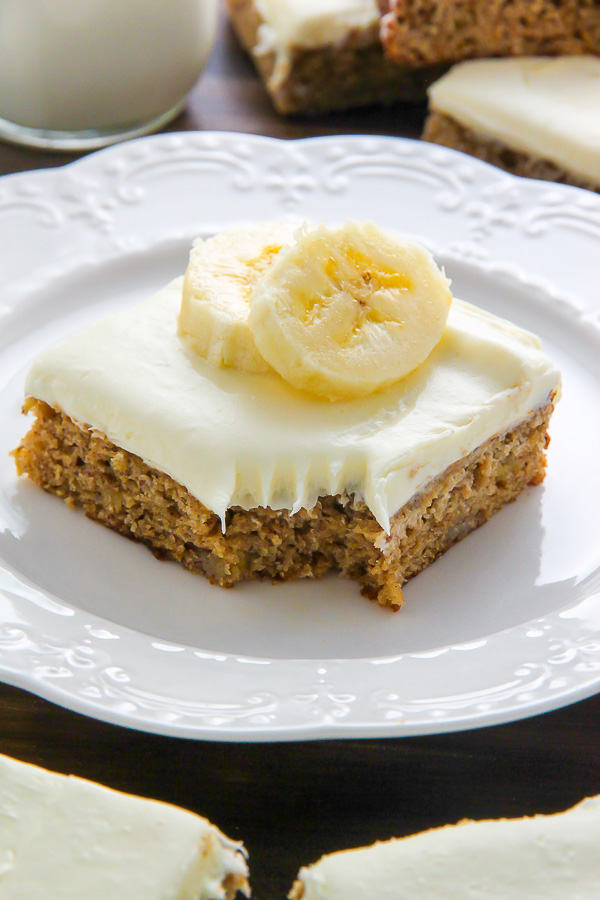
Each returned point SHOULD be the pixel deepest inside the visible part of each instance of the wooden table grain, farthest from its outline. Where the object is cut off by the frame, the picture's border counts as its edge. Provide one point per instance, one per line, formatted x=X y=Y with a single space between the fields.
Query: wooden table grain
x=292 y=802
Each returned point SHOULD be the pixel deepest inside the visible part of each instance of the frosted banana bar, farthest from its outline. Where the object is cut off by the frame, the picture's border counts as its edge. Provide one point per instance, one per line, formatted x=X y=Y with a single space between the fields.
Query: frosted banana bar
x=540 y=858
x=338 y=312
x=537 y=117
x=62 y=836
x=319 y=55
x=209 y=433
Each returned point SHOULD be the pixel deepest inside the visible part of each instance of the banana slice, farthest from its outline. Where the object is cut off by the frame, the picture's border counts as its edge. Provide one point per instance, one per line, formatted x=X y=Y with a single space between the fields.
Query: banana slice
x=347 y=311
x=216 y=292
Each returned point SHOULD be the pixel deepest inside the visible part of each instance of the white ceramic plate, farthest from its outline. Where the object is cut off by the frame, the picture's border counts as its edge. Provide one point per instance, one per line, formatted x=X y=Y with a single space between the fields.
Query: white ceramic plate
x=505 y=625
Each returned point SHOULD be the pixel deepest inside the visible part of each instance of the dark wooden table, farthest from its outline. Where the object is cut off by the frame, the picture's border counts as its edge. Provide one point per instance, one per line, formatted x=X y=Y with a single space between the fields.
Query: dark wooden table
x=293 y=802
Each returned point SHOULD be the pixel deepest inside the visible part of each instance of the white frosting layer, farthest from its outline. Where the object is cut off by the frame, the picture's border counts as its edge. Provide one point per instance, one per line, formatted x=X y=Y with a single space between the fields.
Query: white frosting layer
x=61 y=836
x=239 y=439
x=548 y=108
x=540 y=858
x=312 y=23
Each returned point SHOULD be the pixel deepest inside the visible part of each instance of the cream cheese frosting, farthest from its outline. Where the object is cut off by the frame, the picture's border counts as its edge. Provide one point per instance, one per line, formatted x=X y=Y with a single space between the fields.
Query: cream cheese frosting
x=64 y=837
x=545 y=107
x=540 y=858
x=314 y=23
x=238 y=439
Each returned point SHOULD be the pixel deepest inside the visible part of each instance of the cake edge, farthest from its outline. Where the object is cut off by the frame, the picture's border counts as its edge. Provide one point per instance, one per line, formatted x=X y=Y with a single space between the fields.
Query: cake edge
x=444 y=130
x=117 y=489
x=293 y=83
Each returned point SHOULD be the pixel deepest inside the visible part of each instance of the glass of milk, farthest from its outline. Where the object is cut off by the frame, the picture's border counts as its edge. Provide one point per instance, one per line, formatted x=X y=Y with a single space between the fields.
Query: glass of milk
x=79 y=74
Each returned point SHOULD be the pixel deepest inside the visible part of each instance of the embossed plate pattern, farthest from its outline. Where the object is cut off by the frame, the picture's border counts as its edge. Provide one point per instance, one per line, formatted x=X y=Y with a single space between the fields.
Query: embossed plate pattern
x=506 y=625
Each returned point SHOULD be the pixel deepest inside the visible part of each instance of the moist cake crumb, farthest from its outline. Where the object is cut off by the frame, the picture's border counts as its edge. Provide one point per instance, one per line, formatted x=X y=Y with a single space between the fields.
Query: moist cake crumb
x=335 y=76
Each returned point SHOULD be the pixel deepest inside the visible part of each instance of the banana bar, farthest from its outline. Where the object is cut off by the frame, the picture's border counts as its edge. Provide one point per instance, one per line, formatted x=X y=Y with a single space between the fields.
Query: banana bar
x=237 y=474
x=549 y=857
x=536 y=117
x=315 y=56
x=422 y=33
x=64 y=837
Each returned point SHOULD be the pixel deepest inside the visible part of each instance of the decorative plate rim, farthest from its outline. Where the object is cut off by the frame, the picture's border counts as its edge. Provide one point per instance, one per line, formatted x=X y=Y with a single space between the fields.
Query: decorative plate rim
x=80 y=668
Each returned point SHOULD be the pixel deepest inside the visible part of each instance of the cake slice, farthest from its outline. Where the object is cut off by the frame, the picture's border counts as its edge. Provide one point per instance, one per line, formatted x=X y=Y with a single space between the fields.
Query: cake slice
x=319 y=56
x=235 y=473
x=540 y=858
x=425 y=33
x=64 y=837
x=536 y=117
